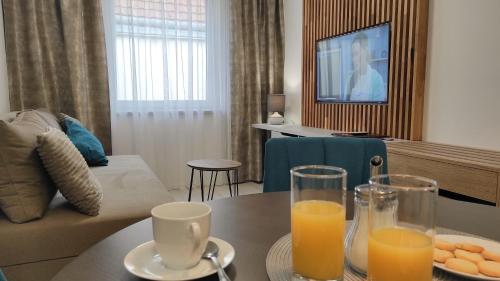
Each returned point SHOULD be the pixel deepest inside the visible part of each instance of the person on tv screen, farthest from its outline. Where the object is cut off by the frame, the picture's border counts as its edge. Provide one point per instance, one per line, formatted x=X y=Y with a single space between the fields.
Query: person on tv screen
x=364 y=83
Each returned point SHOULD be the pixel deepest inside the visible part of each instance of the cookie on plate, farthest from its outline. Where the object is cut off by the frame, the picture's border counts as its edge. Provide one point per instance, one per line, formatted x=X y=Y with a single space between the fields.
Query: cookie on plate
x=444 y=245
x=492 y=256
x=489 y=268
x=441 y=255
x=464 y=255
x=469 y=247
x=462 y=266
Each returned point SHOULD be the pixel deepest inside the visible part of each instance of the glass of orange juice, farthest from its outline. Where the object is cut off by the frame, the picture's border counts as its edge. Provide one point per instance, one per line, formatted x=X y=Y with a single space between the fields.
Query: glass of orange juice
x=401 y=226
x=318 y=222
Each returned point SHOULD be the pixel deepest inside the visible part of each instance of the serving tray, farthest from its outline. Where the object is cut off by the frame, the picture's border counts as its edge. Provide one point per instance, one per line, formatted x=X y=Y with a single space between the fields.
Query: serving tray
x=279 y=262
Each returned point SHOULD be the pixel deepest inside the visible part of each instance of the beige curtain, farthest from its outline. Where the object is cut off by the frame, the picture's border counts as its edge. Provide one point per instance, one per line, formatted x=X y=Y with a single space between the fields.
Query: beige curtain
x=56 y=60
x=257 y=71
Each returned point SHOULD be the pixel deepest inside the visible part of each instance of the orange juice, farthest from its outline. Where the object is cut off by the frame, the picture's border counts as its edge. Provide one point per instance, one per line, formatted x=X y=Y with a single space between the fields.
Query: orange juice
x=397 y=254
x=318 y=239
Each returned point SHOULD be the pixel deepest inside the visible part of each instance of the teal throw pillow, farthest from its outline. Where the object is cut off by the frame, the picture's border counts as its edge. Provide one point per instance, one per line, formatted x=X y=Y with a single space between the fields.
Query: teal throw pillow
x=88 y=145
x=2 y=277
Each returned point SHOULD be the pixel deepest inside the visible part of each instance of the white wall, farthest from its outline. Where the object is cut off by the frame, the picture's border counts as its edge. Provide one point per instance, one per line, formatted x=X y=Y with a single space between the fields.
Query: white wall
x=293 y=60
x=4 y=86
x=462 y=102
x=462 y=99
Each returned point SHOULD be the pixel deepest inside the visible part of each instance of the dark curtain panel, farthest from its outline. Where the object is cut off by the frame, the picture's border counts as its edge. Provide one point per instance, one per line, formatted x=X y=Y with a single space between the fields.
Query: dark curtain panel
x=257 y=71
x=56 y=59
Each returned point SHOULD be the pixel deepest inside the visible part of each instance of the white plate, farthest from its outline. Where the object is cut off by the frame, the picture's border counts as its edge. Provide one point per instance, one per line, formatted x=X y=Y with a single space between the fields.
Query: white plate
x=487 y=244
x=144 y=262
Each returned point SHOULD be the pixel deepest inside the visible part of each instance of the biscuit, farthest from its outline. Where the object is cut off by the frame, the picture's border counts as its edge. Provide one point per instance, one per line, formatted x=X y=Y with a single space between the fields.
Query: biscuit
x=443 y=245
x=441 y=255
x=462 y=266
x=492 y=256
x=469 y=247
x=464 y=255
x=489 y=268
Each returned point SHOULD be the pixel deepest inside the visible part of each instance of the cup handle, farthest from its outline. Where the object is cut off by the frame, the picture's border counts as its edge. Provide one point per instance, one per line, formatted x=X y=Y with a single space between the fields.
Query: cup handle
x=195 y=229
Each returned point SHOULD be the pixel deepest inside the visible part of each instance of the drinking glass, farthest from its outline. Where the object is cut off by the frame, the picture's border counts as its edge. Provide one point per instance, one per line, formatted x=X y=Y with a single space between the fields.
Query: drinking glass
x=401 y=218
x=318 y=222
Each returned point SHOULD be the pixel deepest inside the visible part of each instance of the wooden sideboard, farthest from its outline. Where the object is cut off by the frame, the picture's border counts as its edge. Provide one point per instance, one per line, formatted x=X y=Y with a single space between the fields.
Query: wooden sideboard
x=467 y=171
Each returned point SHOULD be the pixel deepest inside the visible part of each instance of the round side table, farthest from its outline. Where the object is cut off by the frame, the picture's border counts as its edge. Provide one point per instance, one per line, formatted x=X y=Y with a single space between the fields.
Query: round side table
x=214 y=166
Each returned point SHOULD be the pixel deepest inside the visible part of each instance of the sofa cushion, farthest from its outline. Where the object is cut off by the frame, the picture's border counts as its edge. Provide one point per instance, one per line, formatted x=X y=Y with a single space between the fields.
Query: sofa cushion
x=25 y=187
x=67 y=168
x=88 y=144
x=130 y=191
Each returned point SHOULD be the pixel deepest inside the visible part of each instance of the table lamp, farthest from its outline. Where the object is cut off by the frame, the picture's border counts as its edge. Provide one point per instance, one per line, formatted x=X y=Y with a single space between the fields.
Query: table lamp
x=275 y=105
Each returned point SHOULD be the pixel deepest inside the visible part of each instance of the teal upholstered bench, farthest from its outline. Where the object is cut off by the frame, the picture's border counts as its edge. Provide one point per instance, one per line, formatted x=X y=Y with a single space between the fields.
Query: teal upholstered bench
x=352 y=154
x=2 y=277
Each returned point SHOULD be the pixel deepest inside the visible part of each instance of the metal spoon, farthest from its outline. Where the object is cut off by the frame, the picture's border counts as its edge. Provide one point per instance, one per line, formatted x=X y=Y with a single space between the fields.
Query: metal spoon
x=211 y=253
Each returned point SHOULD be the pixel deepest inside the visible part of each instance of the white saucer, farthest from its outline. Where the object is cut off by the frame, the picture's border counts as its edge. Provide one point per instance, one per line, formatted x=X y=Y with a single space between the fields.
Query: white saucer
x=487 y=244
x=144 y=262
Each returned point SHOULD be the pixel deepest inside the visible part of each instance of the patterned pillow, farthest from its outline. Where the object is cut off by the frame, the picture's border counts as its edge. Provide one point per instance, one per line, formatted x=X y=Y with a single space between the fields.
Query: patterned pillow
x=67 y=168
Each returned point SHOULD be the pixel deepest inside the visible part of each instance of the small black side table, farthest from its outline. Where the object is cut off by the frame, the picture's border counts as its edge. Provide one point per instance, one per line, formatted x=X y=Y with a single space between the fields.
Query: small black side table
x=214 y=165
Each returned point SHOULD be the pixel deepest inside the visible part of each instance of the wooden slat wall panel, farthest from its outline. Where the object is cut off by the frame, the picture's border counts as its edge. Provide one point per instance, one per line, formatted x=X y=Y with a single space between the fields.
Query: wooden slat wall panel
x=402 y=116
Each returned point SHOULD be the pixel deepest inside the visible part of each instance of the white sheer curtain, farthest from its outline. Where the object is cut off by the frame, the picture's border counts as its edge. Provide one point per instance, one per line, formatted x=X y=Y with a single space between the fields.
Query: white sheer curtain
x=168 y=64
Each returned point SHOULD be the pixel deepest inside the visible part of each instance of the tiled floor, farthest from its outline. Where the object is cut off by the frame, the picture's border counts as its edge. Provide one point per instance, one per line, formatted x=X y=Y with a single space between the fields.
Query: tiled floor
x=221 y=191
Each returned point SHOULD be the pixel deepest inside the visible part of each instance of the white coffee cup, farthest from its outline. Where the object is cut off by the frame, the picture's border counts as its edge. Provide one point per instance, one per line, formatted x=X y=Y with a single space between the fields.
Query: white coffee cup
x=180 y=231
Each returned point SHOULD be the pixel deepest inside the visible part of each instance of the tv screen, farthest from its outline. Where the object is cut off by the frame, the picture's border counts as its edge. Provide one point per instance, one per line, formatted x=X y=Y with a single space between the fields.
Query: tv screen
x=354 y=67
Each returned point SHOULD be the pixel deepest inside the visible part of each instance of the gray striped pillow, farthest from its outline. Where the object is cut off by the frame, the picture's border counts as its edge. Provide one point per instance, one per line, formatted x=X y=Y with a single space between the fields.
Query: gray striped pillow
x=69 y=171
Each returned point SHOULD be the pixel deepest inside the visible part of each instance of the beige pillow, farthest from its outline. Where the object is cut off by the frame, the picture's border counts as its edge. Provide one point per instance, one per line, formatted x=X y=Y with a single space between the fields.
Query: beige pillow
x=9 y=116
x=48 y=117
x=69 y=171
x=25 y=188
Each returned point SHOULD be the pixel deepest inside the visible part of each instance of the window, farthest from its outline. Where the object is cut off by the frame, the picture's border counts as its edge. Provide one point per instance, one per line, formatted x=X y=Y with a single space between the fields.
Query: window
x=160 y=50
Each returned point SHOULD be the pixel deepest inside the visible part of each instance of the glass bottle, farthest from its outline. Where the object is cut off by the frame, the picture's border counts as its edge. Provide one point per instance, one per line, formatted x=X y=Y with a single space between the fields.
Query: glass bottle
x=356 y=246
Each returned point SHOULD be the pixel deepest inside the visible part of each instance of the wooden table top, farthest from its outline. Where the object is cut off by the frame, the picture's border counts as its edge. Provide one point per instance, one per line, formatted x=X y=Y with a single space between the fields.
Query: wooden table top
x=251 y=223
x=214 y=164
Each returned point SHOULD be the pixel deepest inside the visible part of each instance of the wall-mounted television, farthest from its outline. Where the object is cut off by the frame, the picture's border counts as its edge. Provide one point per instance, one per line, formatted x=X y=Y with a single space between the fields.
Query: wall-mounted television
x=354 y=67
